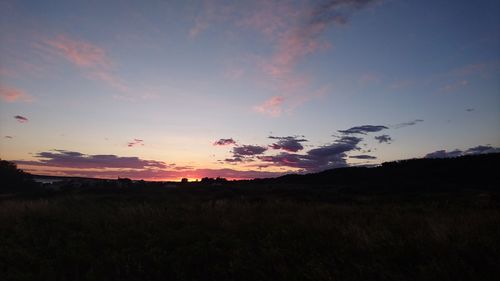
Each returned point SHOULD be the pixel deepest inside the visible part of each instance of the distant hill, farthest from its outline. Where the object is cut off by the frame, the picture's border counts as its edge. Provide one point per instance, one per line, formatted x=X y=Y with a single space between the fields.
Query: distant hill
x=472 y=171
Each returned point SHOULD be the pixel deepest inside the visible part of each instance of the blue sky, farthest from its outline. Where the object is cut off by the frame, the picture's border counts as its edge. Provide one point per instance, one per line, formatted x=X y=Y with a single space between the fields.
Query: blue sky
x=162 y=81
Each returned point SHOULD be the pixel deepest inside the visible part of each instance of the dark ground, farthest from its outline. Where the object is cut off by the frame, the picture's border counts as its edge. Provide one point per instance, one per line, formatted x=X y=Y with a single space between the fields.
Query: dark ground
x=227 y=233
x=257 y=230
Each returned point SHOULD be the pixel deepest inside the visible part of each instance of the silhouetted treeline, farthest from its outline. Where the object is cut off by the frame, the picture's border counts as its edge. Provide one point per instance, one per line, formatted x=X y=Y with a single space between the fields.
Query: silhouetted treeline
x=466 y=172
x=473 y=171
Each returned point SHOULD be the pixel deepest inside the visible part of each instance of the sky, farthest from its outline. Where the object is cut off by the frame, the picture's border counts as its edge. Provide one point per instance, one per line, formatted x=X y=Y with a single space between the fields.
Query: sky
x=161 y=90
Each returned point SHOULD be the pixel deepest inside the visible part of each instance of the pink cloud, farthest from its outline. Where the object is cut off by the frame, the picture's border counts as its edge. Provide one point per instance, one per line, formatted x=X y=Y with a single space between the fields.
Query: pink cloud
x=295 y=30
x=272 y=106
x=89 y=57
x=10 y=94
x=292 y=46
x=81 y=53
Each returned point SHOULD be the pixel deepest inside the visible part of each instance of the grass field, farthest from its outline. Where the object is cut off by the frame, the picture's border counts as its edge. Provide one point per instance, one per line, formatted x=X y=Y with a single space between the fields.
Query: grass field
x=225 y=233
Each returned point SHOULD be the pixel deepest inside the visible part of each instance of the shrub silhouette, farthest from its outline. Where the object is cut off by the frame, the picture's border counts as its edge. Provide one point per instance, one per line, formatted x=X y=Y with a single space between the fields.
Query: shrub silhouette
x=13 y=179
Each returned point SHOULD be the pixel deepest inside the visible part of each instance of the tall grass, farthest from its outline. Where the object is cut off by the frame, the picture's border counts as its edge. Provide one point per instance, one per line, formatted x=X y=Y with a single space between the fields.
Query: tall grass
x=186 y=235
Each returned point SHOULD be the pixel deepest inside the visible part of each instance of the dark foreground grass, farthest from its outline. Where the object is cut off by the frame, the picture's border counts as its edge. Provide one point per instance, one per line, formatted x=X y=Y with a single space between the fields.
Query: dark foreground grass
x=196 y=235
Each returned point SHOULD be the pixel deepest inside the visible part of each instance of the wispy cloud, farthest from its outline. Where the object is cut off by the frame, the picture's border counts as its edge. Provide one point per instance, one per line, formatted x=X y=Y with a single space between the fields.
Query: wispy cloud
x=298 y=31
x=80 y=53
x=21 y=119
x=135 y=142
x=88 y=57
x=455 y=86
x=480 y=68
x=294 y=30
x=10 y=94
x=364 y=129
x=302 y=38
x=406 y=124
x=272 y=106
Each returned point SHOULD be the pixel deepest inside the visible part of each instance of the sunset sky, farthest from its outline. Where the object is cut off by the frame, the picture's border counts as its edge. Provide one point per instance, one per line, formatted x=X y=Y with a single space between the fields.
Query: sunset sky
x=161 y=90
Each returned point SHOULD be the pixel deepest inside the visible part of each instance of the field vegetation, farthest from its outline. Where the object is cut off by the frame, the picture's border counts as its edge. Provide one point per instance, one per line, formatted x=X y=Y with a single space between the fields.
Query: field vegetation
x=250 y=231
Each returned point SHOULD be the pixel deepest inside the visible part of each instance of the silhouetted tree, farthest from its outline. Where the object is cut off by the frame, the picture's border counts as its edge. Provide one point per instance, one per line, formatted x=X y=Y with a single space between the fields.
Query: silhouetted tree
x=124 y=182
x=13 y=179
x=218 y=180
x=184 y=180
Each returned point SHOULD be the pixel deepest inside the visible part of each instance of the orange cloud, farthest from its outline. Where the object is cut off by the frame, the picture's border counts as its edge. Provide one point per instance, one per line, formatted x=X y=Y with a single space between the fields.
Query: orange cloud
x=9 y=94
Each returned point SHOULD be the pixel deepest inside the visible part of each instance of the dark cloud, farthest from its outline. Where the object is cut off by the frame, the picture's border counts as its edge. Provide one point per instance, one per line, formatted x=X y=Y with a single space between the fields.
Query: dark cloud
x=290 y=144
x=135 y=142
x=342 y=145
x=248 y=150
x=444 y=154
x=363 y=129
x=21 y=119
x=292 y=160
x=325 y=157
x=469 y=109
x=223 y=142
x=363 y=156
x=72 y=159
x=383 y=138
x=406 y=124
x=8 y=137
x=481 y=149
